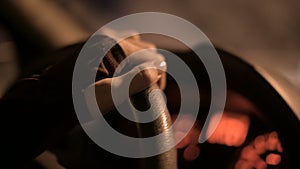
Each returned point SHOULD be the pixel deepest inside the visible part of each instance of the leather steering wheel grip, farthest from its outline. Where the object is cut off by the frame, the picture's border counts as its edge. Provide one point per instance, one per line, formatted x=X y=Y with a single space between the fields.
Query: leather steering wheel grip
x=166 y=160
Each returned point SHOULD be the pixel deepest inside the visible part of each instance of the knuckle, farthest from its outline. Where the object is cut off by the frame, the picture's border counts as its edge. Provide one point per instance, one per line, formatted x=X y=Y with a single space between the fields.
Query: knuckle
x=148 y=75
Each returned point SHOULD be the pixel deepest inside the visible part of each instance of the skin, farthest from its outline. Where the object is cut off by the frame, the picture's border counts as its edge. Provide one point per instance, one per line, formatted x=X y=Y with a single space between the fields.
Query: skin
x=141 y=81
x=232 y=131
x=250 y=154
x=190 y=142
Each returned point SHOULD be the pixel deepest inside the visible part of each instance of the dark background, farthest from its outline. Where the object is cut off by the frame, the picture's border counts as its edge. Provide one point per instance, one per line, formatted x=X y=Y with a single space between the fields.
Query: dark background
x=265 y=32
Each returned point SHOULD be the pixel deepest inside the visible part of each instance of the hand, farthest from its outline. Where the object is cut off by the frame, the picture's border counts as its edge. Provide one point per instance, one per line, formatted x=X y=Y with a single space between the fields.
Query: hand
x=231 y=130
x=190 y=142
x=250 y=156
x=141 y=81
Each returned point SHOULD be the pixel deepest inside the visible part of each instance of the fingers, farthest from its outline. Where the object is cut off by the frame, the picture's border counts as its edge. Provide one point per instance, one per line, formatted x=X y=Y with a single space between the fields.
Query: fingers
x=141 y=80
x=163 y=80
x=103 y=95
x=117 y=35
x=273 y=159
x=142 y=67
x=132 y=45
x=231 y=129
x=273 y=142
x=142 y=44
x=145 y=52
x=145 y=57
x=250 y=157
x=139 y=53
x=191 y=152
x=186 y=138
x=184 y=142
x=182 y=129
x=242 y=164
x=262 y=144
x=267 y=142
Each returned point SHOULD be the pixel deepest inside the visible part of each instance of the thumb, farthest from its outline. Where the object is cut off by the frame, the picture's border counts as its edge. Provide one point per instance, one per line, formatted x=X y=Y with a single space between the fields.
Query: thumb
x=136 y=80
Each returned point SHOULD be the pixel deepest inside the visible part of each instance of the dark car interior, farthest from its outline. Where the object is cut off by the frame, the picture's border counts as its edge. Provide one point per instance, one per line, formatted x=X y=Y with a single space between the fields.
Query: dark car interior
x=34 y=48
